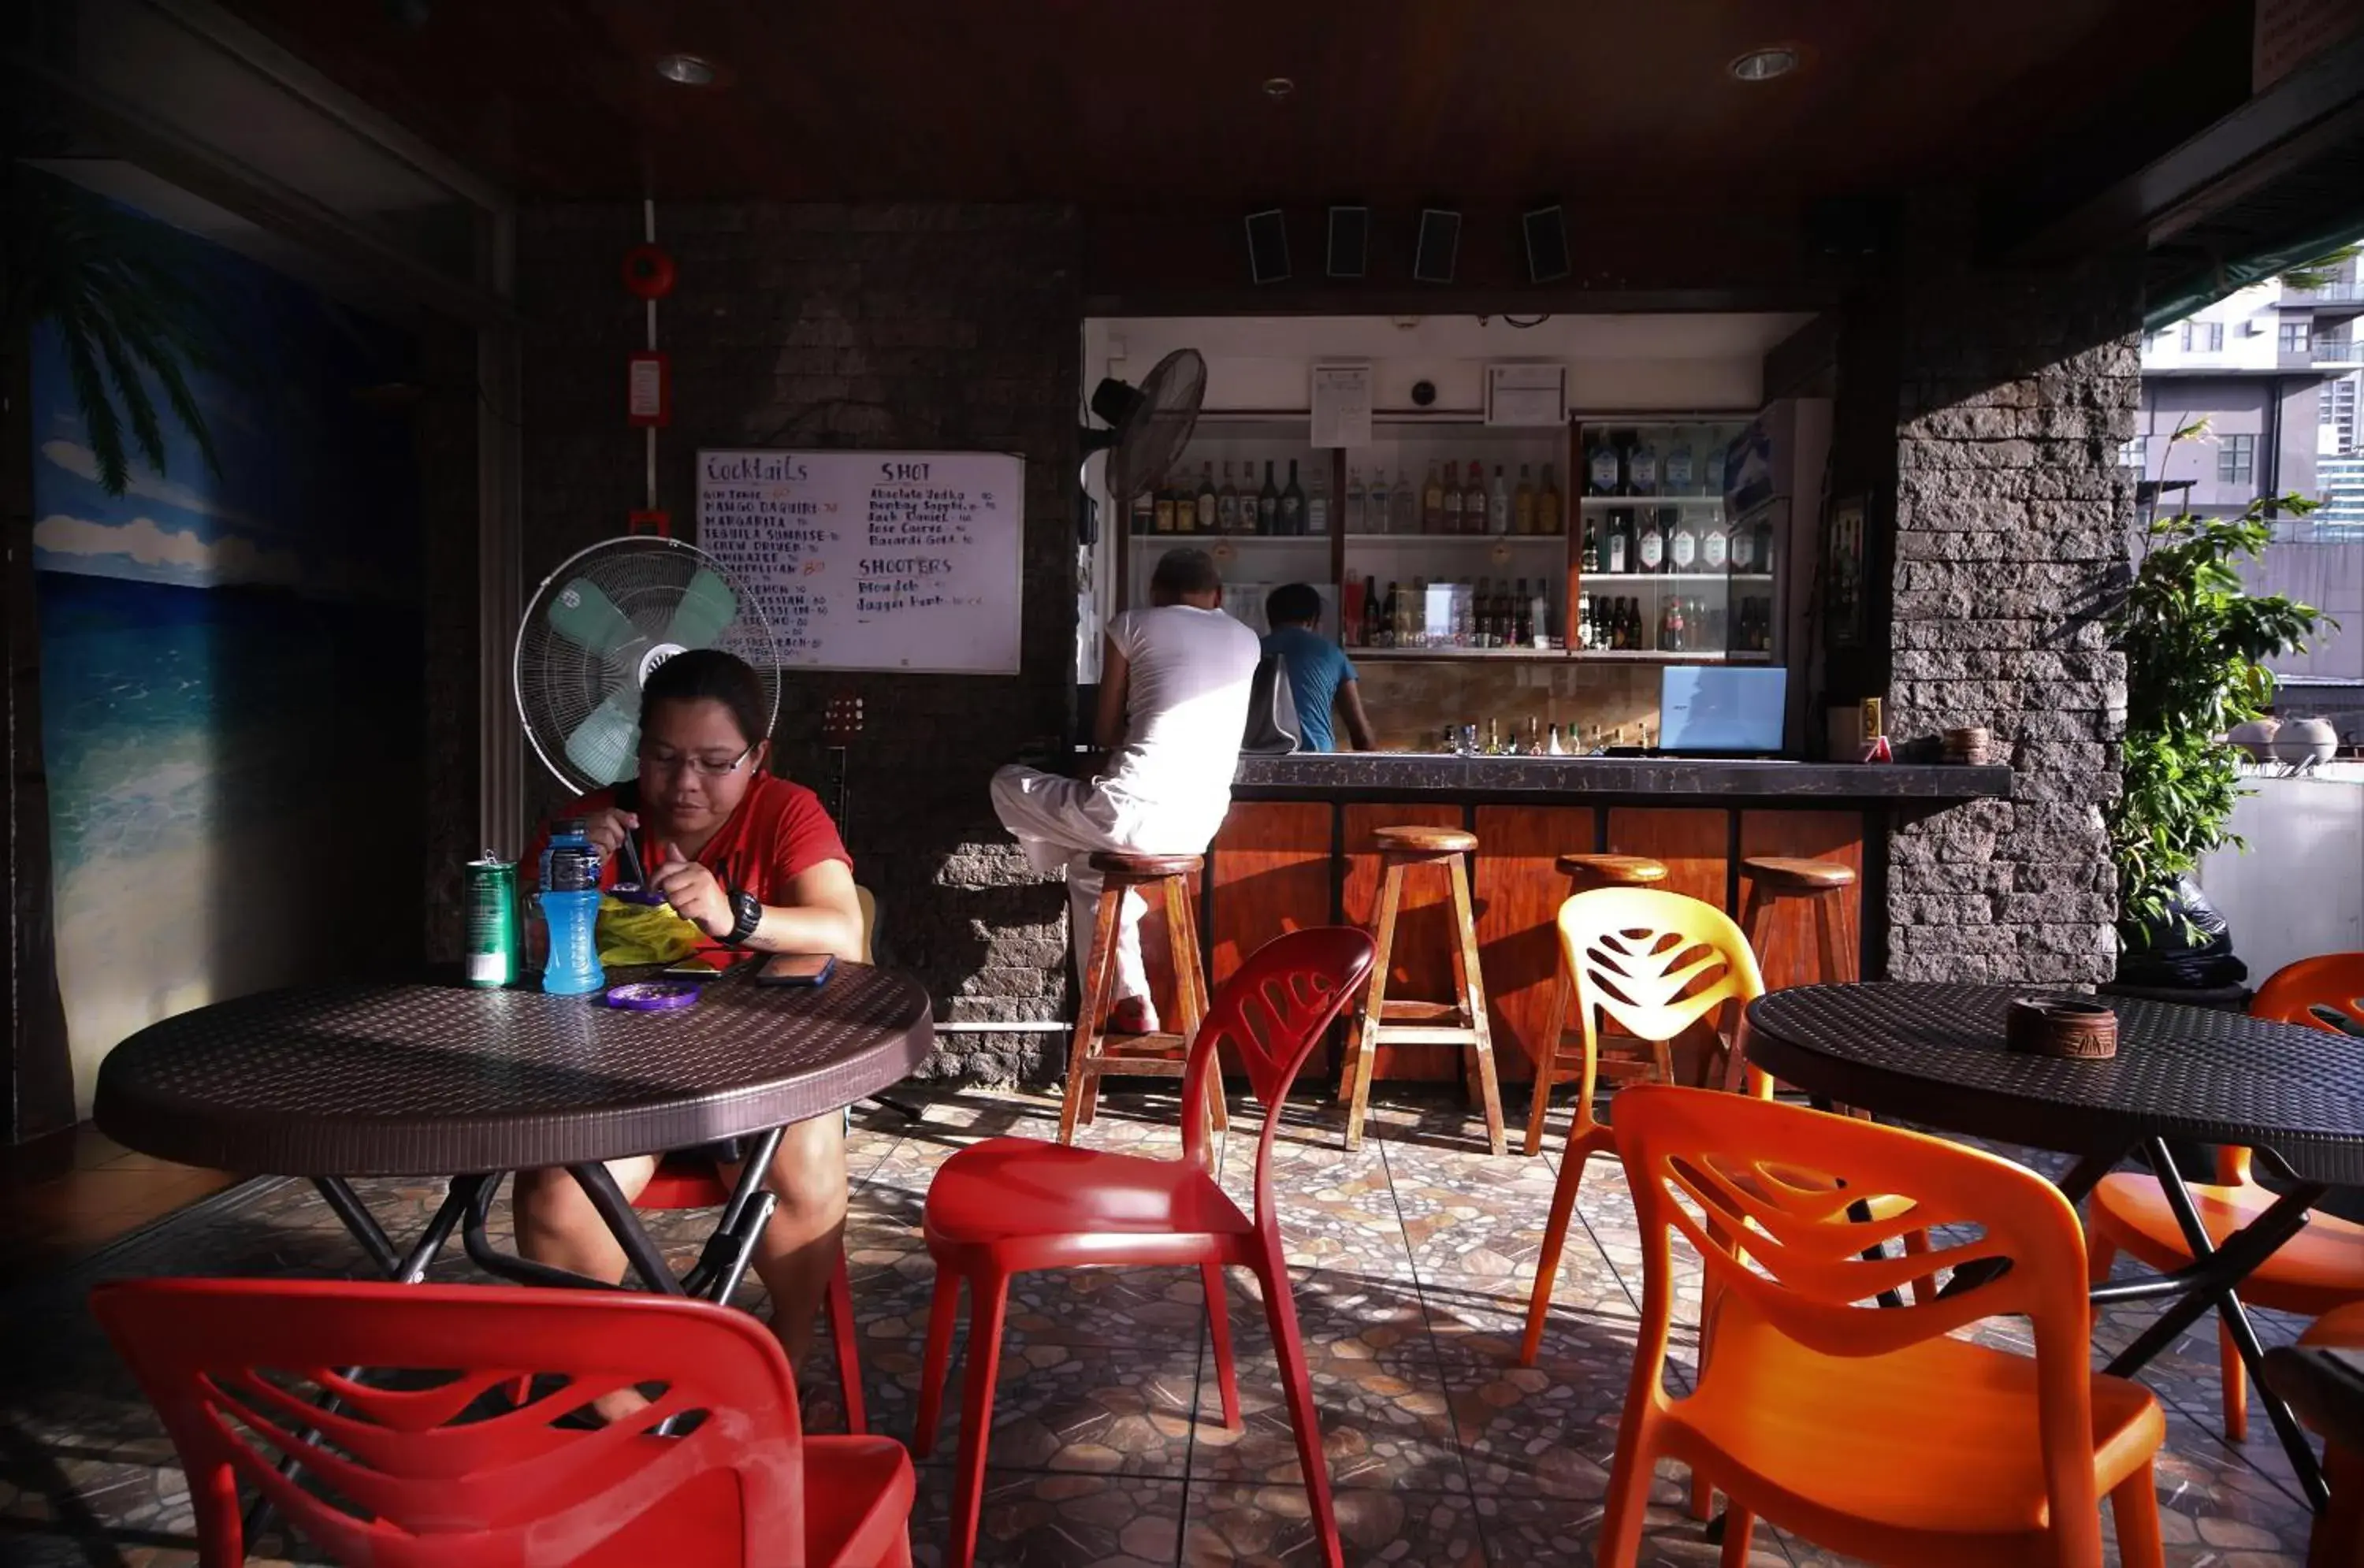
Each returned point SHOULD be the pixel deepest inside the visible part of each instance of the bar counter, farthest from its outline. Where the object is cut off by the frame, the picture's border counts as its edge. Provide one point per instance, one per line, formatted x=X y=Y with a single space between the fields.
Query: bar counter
x=1296 y=851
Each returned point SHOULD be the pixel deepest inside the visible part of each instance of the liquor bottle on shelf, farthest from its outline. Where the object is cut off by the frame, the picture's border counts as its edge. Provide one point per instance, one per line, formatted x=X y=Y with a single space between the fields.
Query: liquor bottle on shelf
x=1317 y=502
x=1603 y=467
x=1651 y=555
x=1711 y=466
x=1473 y=500
x=1498 y=504
x=1551 y=517
x=1393 y=613
x=1267 y=522
x=1714 y=545
x=1522 y=504
x=1375 y=504
x=1165 y=509
x=1584 y=621
x=1144 y=512
x=1522 y=613
x=1432 y=502
x=1374 y=614
x=1589 y=560
x=1292 y=505
x=1357 y=501
x=1203 y=503
x=1226 y=504
x=1685 y=555
x=1619 y=542
x=1451 y=521
x=1403 y=505
x=1680 y=470
x=1760 y=545
x=1741 y=543
x=1670 y=637
x=1641 y=466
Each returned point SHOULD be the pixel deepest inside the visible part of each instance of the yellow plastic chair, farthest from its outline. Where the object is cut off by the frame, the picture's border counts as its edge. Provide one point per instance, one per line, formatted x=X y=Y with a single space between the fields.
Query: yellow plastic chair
x=1656 y=961
x=1870 y=1430
x=2314 y=1272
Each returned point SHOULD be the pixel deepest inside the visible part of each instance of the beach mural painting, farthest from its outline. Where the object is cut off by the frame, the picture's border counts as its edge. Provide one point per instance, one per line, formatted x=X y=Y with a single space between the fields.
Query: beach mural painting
x=229 y=670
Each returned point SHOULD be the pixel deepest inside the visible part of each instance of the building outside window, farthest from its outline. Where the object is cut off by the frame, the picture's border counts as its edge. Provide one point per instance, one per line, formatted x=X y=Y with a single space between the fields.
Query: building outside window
x=2297 y=337
x=2204 y=337
x=2236 y=459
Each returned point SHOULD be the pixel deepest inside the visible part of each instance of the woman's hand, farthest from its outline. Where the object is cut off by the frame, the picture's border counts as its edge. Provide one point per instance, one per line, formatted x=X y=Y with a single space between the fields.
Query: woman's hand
x=694 y=894
x=607 y=829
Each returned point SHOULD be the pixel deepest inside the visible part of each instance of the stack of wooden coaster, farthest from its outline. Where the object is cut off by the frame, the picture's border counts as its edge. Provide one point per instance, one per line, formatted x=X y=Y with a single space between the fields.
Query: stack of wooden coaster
x=1967 y=747
x=2078 y=1027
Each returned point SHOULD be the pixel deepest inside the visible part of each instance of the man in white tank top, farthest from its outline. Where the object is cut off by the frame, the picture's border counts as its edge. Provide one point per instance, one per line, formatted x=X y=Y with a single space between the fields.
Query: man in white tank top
x=1174 y=704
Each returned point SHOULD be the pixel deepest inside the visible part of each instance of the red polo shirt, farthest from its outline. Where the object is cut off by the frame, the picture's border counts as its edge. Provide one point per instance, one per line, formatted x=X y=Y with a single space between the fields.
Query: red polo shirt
x=779 y=831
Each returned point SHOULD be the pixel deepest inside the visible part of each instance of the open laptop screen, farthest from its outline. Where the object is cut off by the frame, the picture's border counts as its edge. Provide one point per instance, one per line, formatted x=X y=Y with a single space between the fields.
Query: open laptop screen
x=1720 y=708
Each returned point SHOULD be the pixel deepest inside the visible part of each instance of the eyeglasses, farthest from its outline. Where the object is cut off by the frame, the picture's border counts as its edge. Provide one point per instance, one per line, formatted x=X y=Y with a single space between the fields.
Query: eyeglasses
x=704 y=767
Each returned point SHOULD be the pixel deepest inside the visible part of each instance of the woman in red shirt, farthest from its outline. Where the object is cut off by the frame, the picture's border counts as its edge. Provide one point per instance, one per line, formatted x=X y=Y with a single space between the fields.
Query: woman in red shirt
x=755 y=863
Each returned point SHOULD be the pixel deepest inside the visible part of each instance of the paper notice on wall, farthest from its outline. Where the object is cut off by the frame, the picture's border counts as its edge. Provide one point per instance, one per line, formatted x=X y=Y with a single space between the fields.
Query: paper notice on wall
x=2291 y=33
x=1526 y=394
x=1342 y=406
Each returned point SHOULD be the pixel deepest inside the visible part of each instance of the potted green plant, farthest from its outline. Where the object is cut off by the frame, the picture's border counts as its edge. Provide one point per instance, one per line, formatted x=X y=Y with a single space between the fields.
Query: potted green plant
x=2195 y=643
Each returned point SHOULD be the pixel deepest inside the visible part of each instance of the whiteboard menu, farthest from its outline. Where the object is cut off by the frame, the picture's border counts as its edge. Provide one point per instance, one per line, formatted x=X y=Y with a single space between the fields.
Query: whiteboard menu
x=875 y=560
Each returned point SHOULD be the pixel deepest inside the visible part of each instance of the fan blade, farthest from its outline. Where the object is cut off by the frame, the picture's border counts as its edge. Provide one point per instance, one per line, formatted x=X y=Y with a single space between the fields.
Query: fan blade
x=707 y=606
x=583 y=613
x=604 y=745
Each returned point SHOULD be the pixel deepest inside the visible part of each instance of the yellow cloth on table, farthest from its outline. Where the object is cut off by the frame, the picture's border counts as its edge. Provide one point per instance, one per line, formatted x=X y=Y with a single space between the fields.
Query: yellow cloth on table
x=642 y=933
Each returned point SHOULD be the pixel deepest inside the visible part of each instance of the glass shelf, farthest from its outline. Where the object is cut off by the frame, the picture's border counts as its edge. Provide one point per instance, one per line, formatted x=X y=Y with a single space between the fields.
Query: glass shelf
x=1645 y=579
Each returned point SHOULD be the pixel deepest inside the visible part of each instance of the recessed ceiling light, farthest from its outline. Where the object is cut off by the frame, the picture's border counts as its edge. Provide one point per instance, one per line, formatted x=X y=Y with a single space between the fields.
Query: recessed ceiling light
x=1279 y=87
x=1764 y=64
x=687 y=70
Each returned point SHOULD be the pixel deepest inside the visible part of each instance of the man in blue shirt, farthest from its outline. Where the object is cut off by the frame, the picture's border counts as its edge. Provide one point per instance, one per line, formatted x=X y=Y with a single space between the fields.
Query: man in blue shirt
x=1319 y=671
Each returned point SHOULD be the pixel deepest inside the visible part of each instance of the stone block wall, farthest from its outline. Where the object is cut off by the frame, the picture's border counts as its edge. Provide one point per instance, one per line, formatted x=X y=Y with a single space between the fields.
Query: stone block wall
x=934 y=327
x=2013 y=518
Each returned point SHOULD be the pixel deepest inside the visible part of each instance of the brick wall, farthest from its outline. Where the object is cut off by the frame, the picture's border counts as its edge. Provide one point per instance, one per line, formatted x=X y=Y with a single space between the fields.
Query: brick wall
x=2011 y=546
x=931 y=326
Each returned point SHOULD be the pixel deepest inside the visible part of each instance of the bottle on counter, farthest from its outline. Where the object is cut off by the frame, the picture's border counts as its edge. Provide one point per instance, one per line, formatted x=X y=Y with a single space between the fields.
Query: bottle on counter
x=1494 y=738
x=1552 y=748
x=1357 y=501
x=1205 y=503
x=1535 y=737
x=1267 y=522
x=1292 y=505
x=1317 y=502
x=1498 y=504
x=1432 y=502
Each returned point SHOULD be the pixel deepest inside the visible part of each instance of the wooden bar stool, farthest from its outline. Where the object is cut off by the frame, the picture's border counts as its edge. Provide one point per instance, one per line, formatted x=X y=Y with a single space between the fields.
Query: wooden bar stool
x=1584 y=873
x=1461 y=1021
x=1167 y=1053
x=1774 y=881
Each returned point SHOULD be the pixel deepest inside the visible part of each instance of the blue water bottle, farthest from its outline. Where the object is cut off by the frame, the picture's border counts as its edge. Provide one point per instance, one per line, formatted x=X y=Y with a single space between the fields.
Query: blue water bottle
x=570 y=905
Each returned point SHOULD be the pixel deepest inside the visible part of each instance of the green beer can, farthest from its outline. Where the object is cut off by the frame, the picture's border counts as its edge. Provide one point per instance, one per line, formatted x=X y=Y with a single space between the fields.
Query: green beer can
x=492 y=958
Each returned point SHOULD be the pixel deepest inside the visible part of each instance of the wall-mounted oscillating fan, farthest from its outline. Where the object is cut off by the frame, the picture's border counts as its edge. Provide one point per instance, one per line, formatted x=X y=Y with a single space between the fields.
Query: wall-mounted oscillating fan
x=600 y=625
x=1148 y=428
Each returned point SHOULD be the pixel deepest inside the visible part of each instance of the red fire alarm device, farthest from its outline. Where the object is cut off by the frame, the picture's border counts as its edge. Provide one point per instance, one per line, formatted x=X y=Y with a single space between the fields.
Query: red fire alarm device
x=658 y=523
x=649 y=397
x=647 y=271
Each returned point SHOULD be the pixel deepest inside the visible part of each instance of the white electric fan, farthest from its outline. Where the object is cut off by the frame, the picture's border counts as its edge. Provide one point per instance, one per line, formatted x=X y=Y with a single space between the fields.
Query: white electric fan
x=599 y=626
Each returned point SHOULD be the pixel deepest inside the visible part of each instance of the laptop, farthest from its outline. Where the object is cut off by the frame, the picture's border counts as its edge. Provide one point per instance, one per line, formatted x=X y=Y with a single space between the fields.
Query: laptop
x=1722 y=710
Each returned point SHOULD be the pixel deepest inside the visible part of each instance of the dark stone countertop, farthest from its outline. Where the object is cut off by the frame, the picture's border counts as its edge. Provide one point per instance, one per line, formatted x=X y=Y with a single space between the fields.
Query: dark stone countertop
x=1410 y=775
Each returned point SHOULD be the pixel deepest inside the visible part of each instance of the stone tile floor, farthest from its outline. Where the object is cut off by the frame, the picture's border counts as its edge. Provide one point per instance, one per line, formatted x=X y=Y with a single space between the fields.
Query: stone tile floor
x=1412 y=1259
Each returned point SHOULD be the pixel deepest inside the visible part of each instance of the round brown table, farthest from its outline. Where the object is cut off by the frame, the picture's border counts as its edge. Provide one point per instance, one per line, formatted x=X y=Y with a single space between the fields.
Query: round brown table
x=1934 y=1055
x=338 y=1082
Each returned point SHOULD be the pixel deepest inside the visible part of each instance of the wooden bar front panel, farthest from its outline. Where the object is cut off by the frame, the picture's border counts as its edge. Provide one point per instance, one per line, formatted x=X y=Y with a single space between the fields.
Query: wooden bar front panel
x=1792 y=957
x=1271 y=874
x=1518 y=890
x=1694 y=844
x=1421 y=966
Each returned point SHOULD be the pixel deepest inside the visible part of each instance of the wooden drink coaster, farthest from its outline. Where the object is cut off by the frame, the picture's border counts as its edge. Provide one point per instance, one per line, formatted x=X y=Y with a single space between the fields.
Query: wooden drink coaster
x=2075 y=1028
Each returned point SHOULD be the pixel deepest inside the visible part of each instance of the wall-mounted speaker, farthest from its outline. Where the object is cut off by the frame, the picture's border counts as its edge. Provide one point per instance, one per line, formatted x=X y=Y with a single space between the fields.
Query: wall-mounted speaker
x=1268 y=246
x=1546 y=235
x=1438 y=247
x=1350 y=241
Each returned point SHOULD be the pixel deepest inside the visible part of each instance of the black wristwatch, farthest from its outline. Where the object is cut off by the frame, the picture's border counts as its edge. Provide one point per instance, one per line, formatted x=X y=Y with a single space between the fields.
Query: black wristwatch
x=748 y=910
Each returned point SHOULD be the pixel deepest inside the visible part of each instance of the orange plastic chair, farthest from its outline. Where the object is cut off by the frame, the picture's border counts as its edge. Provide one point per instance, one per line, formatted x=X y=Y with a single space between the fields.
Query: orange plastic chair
x=1656 y=961
x=1870 y=1431
x=412 y=1475
x=1011 y=1205
x=2320 y=1268
x=2337 y=1541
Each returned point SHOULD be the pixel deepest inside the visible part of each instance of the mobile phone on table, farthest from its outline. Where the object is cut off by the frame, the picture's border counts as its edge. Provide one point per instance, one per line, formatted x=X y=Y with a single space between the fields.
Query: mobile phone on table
x=796 y=969
x=692 y=969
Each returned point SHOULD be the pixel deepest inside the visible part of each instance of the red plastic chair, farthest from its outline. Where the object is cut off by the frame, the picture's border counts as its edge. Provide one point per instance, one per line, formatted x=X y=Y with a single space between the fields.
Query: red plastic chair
x=243 y=1373
x=685 y=1181
x=1011 y=1205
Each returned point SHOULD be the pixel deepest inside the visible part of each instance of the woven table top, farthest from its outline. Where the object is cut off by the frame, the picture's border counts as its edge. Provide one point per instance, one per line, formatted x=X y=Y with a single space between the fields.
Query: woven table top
x=1934 y=1054
x=436 y=1080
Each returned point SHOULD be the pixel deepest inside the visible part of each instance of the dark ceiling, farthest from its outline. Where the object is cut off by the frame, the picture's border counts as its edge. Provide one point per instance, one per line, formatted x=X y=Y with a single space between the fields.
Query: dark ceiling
x=1618 y=109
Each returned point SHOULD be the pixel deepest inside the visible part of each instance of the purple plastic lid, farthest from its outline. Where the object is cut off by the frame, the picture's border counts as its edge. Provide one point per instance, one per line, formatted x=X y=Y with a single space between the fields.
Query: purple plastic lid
x=633 y=893
x=651 y=995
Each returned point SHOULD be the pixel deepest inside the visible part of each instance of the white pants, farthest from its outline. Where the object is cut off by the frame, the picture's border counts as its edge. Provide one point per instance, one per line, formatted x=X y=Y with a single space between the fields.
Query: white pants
x=1065 y=822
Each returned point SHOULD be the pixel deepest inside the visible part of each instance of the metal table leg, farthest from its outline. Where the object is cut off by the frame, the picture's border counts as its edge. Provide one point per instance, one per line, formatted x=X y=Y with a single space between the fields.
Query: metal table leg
x=2214 y=1280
